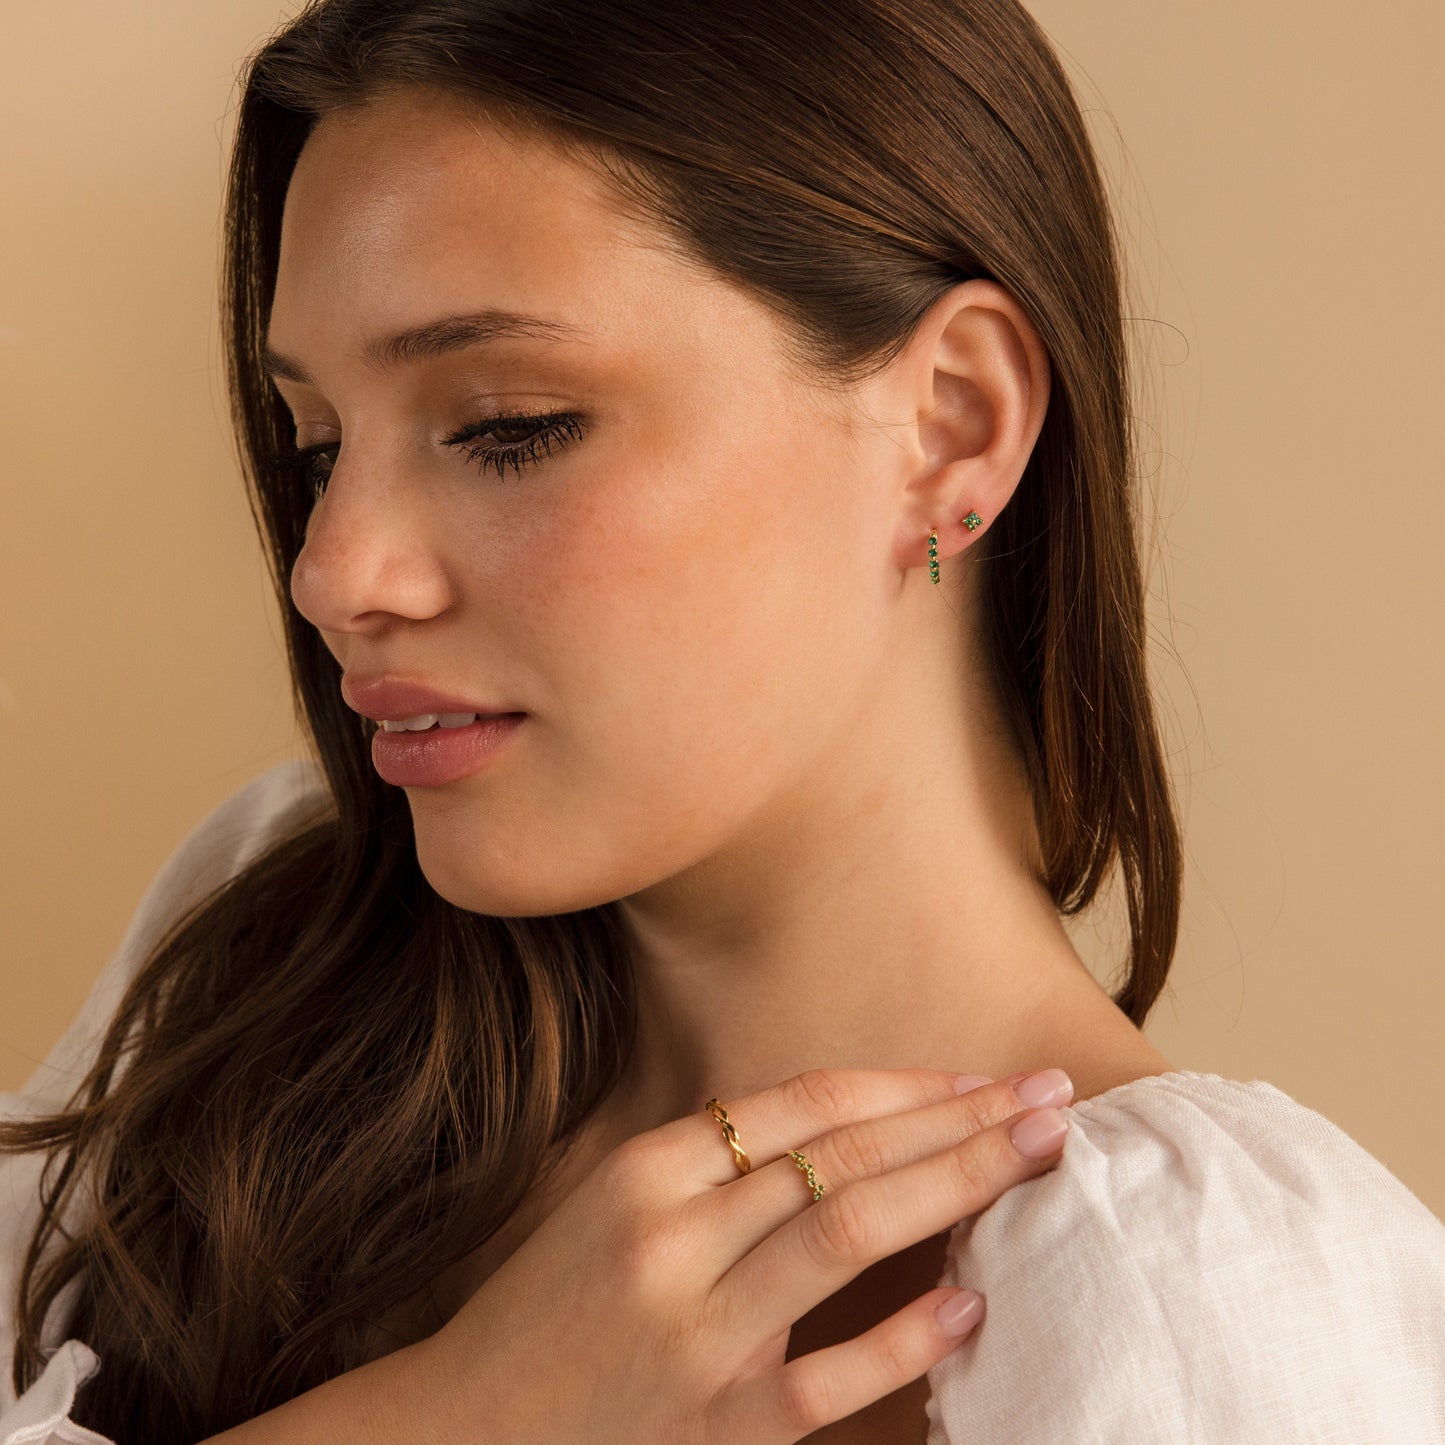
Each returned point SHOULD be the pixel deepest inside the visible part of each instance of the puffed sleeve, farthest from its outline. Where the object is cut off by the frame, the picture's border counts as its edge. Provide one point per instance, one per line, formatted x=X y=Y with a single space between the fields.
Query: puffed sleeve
x=216 y=848
x=1209 y=1262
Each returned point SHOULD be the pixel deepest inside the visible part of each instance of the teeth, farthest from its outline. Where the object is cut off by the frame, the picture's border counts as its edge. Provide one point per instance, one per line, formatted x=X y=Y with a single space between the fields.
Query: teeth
x=411 y=724
x=423 y=721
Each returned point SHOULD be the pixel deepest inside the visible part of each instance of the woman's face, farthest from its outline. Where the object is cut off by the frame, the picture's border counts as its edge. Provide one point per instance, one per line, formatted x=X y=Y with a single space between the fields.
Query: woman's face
x=688 y=595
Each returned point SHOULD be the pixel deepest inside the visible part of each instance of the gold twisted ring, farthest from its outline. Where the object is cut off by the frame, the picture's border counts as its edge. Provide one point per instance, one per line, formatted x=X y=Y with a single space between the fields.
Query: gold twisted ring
x=715 y=1108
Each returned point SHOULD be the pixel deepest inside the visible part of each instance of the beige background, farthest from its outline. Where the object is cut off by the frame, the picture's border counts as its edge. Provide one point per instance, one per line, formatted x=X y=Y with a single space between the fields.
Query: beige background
x=1277 y=169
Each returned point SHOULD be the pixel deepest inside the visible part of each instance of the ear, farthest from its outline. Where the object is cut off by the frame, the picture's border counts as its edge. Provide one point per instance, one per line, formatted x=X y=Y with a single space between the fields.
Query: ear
x=976 y=381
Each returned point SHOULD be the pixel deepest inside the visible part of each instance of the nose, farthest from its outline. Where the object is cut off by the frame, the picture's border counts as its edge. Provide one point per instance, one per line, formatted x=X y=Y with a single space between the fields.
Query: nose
x=368 y=557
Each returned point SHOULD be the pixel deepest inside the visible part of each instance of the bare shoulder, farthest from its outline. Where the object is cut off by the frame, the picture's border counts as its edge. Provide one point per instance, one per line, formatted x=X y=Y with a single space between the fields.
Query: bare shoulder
x=1099 y=1049
x=1096 y=1077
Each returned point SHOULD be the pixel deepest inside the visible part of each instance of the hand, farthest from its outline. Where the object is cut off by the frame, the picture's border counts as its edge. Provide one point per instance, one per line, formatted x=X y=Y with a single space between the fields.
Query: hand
x=654 y=1303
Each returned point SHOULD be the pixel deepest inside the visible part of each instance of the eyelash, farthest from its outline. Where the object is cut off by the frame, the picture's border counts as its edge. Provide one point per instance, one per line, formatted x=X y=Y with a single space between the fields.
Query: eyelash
x=553 y=429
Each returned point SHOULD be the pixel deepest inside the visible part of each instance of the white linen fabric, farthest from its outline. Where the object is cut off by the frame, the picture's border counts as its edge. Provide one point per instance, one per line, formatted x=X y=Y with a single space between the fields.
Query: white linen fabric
x=1210 y=1262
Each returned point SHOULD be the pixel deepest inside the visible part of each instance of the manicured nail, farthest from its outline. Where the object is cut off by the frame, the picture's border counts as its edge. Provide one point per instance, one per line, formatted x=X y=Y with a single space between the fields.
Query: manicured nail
x=1045 y=1089
x=958 y=1314
x=1038 y=1135
x=964 y=1082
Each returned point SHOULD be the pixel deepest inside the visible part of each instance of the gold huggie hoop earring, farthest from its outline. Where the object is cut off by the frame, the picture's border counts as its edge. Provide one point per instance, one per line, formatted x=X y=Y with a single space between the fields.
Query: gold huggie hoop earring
x=973 y=522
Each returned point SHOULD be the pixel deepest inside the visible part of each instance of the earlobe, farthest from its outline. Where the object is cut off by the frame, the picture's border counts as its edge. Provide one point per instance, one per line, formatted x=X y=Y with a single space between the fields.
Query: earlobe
x=973 y=522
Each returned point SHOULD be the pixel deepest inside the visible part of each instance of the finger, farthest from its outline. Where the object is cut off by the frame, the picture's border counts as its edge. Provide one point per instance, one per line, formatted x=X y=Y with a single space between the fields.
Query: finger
x=829 y=1243
x=787 y=1115
x=827 y=1385
x=740 y=1215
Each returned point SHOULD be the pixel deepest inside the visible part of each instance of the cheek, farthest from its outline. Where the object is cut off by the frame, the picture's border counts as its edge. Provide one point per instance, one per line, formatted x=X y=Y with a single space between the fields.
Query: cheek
x=689 y=625
x=687 y=638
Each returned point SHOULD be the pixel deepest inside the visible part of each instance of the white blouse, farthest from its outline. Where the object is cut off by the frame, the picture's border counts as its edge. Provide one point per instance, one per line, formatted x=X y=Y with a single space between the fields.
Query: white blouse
x=1210 y=1261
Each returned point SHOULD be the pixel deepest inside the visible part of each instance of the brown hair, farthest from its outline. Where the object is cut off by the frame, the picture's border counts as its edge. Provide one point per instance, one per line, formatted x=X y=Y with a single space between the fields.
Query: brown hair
x=327 y=1083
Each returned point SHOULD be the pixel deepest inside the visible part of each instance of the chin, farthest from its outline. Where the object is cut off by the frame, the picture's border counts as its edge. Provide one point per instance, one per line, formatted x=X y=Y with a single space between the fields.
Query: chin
x=503 y=890
x=501 y=895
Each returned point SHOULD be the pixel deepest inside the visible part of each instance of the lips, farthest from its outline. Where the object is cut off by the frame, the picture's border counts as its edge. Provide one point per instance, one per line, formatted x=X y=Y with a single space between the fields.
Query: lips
x=439 y=756
x=390 y=699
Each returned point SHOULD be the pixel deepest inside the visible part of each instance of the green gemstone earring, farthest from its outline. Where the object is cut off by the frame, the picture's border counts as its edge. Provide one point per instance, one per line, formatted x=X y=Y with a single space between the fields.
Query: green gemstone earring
x=973 y=522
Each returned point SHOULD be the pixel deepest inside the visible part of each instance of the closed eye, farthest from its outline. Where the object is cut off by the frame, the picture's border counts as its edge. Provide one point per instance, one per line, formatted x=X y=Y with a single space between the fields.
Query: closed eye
x=542 y=433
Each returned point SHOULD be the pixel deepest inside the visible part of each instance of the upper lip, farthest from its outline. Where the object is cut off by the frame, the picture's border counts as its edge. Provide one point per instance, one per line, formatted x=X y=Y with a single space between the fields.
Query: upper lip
x=389 y=699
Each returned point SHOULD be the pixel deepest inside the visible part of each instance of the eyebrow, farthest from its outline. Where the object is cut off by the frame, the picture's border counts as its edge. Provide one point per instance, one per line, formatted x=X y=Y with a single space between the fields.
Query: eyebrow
x=434 y=339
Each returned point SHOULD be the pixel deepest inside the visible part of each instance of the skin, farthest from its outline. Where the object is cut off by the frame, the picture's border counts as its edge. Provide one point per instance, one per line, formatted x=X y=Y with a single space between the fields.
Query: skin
x=754 y=720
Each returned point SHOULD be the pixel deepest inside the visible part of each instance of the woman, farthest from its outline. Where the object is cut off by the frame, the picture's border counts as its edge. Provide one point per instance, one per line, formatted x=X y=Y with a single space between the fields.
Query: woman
x=693 y=448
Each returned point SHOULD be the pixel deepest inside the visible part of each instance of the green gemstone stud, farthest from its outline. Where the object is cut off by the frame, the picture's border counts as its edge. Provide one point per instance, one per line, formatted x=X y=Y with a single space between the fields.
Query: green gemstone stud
x=973 y=521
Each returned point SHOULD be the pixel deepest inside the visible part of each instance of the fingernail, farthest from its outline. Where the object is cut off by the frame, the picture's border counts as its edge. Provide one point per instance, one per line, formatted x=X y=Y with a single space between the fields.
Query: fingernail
x=964 y=1082
x=958 y=1314
x=1044 y=1089
x=1036 y=1136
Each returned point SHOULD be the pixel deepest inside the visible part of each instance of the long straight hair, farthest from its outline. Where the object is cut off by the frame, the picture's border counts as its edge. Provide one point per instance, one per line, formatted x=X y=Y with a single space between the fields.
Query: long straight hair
x=326 y=1083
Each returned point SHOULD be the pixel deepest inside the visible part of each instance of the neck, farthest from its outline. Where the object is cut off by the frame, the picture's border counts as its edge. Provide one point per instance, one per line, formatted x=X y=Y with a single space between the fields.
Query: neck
x=875 y=918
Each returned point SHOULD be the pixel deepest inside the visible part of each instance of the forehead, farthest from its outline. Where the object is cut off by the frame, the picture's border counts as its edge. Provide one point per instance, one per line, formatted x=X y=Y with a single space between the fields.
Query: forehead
x=417 y=205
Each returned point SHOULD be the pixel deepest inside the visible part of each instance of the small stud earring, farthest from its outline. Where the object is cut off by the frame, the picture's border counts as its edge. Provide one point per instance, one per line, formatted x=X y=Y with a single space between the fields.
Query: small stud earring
x=973 y=521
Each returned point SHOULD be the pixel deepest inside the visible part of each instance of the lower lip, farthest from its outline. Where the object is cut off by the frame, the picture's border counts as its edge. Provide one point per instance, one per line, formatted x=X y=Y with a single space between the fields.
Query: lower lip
x=440 y=755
